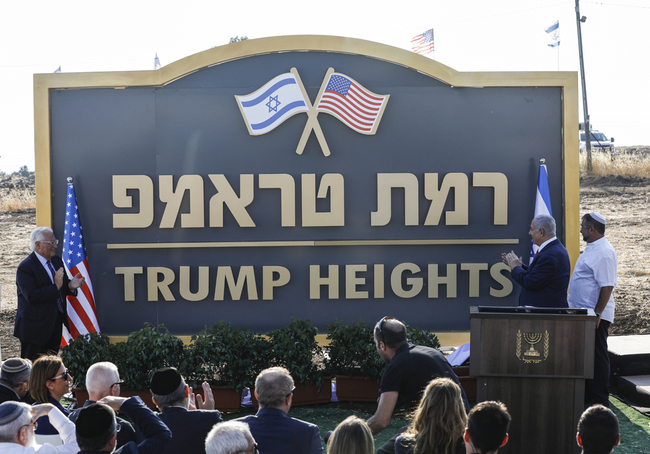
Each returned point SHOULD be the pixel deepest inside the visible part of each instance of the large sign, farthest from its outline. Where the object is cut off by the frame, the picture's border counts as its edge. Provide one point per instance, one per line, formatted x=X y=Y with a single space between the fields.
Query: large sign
x=312 y=177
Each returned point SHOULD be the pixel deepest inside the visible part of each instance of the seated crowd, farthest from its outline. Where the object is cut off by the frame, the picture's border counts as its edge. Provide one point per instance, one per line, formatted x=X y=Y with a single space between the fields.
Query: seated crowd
x=416 y=378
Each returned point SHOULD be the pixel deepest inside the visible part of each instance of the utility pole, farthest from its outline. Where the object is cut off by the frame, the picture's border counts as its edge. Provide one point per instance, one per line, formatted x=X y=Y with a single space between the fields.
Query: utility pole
x=585 y=111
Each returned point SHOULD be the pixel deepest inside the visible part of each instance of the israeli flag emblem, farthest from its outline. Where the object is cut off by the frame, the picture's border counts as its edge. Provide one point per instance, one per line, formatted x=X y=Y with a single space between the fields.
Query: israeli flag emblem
x=268 y=107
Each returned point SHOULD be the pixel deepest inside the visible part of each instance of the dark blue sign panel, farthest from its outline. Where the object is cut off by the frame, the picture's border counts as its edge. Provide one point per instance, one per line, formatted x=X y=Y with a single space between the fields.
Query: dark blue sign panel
x=316 y=185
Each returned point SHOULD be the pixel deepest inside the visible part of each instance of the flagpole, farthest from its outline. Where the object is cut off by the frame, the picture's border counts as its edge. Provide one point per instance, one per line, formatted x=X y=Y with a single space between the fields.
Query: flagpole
x=585 y=114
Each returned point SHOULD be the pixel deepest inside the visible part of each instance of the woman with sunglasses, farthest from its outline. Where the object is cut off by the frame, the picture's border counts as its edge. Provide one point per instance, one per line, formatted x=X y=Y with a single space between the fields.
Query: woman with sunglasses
x=48 y=383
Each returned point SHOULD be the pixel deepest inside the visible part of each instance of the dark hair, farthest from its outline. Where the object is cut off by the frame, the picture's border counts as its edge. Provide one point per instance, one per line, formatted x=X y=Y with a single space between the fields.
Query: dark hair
x=43 y=370
x=591 y=222
x=391 y=332
x=95 y=444
x=598 y=428
x=488 y=424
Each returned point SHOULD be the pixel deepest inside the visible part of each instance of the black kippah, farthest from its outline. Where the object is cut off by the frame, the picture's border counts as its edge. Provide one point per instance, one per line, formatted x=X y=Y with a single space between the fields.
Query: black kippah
x=94 y=420
x=165 y=381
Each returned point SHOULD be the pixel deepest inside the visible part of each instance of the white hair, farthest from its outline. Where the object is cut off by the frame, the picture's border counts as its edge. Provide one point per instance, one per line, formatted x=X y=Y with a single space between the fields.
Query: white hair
x=9 y=432
x=100 y=377
x=546 y=222
x=228 y=437
x=38 y=234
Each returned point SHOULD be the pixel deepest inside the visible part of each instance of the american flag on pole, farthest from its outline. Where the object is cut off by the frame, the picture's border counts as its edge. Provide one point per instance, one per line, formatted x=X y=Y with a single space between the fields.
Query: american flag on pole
x=542 y=202
x=423 y=43
x=351 y=103
x=82 y=315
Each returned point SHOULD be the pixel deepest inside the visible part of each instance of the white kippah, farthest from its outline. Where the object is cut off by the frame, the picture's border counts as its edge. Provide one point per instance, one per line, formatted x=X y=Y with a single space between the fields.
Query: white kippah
x=598 y=217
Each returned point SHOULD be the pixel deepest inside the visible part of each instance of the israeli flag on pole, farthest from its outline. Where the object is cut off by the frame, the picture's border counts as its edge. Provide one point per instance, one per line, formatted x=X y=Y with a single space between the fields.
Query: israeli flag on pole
x=542 y=202
x=554 y=34
x=268 y=107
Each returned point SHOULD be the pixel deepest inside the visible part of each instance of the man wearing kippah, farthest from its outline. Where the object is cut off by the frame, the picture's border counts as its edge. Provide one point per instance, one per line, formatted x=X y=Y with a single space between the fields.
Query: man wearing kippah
x=591 y=287
x=18 y=423
x=97 y=427
x=189 y=428
x=14 y=377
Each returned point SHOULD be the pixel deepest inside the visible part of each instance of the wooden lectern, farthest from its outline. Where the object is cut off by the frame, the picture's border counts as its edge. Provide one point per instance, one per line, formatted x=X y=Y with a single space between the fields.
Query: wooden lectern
x=534 y=360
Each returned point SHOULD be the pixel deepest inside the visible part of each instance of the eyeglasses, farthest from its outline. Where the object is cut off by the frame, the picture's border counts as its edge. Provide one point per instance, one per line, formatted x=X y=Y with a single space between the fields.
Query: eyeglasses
x=380 y=326
x=118 y=383
x=51 y=243
x=65 y=375
x=290 y=393
x=33 y=424
x=254 y=450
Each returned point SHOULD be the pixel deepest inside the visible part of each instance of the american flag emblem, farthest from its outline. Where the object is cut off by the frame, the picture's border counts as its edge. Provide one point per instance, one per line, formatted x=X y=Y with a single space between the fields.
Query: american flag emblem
x=423 y=43
x=351 y=103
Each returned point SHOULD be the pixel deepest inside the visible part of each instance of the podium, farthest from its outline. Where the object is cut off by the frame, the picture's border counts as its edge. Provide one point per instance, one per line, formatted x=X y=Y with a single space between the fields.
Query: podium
x=534 y=360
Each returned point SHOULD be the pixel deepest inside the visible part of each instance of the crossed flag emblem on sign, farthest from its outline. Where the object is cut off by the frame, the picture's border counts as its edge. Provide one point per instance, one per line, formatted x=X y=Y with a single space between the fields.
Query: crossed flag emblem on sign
x=285 y=96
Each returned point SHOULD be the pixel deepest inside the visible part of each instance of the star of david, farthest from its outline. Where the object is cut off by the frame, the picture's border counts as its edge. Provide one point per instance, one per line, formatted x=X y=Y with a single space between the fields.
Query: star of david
x=273 y=107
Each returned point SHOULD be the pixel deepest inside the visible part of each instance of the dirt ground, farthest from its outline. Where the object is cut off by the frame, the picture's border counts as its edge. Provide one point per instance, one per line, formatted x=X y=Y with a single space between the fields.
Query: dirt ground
x=622 y=200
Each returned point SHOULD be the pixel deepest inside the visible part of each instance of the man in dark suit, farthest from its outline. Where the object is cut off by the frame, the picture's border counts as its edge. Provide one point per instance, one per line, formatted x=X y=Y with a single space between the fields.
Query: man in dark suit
x=42 y=289
x=545 y=281
x=274 y=431
x=189 y=427
x=96 y=427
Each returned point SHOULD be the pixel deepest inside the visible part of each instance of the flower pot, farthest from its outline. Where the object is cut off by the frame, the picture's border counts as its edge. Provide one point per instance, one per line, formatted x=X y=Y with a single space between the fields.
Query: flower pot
x=356 y=389
x=466 y=381
x=306 y=395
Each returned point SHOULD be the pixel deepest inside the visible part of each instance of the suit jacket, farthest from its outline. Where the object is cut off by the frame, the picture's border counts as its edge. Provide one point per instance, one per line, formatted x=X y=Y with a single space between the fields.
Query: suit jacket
x=8 y=395
x=156 y=434
x=277 y=433
x=545 y=281
x=189 y=428
x=37 y=300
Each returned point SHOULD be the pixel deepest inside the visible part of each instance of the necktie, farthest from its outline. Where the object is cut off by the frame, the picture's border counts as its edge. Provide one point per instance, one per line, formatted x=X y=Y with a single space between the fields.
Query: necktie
x=58 y=302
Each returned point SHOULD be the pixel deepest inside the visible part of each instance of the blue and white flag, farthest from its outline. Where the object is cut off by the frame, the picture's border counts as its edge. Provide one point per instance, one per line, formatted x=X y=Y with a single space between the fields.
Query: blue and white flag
x=554 y=34
x=266 y=108
x=542 y=202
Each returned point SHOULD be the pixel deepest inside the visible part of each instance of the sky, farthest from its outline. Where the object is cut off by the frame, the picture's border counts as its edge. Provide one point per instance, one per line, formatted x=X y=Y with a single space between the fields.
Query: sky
x=38 y=36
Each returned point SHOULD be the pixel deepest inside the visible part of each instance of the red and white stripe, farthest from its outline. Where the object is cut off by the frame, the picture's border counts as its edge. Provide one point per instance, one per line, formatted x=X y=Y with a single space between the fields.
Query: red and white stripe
x=359 y=109
x=82 y=313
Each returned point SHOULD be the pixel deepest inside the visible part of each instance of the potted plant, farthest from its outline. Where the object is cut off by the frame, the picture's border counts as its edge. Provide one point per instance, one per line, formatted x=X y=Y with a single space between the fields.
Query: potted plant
x=136 y=359
x=353 y=360
x=229 y=359
x=295 y=348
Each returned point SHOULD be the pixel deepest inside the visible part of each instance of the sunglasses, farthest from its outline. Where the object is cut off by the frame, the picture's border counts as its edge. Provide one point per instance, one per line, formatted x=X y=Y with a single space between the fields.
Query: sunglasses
x=65 y=375
x=380 y=326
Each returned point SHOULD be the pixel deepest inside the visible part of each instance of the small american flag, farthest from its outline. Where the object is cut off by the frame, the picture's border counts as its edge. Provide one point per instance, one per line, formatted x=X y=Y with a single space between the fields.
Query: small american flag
x=82 y=315
x=351 y=103
x=423 y=43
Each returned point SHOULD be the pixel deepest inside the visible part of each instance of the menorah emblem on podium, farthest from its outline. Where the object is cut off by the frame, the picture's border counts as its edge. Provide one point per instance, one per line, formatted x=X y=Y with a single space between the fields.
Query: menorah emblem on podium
x=532 y=339
x=531 y=355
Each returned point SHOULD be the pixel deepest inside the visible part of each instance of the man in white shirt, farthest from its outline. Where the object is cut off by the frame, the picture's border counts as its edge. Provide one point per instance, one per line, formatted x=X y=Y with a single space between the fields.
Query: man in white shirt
x=18 y=423
x=591 y=287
